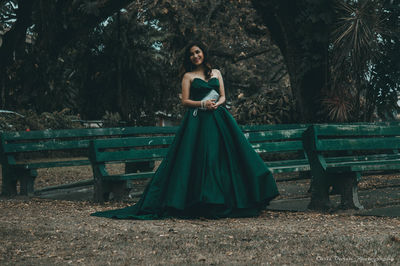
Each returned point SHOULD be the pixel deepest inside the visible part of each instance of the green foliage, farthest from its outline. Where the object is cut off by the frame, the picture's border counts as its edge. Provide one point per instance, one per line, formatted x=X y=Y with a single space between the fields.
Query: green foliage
x=129 y=63
x=238 y=44
x=339 y=55
x=111 y=119
x=338 y=106
x=31 y=120
x=7 y=14
x=364 y=48
x=384 y=79
x=126 y=70
x=88 y=57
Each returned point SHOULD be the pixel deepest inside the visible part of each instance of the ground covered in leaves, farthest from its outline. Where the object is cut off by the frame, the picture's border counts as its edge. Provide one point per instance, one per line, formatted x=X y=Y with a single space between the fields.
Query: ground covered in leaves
x=48 y=232
x=35 y=231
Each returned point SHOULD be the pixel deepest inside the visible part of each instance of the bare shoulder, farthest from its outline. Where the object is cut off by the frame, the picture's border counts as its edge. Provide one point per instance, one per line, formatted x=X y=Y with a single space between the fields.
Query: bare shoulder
x=216 y=72
x=188 y=76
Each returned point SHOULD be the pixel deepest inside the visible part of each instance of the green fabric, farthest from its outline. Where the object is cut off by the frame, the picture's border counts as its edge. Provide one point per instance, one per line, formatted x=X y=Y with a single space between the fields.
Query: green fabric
x=210 y=171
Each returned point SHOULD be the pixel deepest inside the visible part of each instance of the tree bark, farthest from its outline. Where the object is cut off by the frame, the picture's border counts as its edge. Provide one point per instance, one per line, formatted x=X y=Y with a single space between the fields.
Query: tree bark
x=305 y=55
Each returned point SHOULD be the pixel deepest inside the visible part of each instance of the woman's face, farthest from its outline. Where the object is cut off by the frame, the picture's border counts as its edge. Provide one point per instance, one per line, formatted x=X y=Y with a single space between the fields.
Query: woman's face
x=196 y=55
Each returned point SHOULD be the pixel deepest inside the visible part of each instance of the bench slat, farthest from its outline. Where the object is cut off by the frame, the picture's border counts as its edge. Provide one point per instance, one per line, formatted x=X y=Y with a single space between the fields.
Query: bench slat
x=364 y=168
x=92 y=132
x=54 y=164
x=363 y=129
x=290 y=168
x=131 y=176
x=132 y=142
x=368 y=157
x=274 y=135
x=283 y=146
x=287 y=162
x=338 y=144
x=369 y=162
x=250 y=128
x=149 y=154
x=46 y=146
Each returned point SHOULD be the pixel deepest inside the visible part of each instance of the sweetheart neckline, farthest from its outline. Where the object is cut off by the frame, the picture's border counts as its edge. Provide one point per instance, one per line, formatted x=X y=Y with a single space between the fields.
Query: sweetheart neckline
x=206 y=81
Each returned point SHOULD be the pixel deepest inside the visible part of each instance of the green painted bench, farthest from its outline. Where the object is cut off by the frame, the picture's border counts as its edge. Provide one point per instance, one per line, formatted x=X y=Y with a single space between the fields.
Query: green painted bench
x=18 y=151
x=340 y=154
x=279 y=145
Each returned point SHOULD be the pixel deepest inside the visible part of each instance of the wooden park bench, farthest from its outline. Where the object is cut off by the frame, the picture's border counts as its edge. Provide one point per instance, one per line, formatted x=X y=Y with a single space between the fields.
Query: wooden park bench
x=18 y=151
x=279 y=145
x=340 y=154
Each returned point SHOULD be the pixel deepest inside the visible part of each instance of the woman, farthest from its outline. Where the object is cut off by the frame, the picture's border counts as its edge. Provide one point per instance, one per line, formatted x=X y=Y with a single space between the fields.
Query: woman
x=210 y=169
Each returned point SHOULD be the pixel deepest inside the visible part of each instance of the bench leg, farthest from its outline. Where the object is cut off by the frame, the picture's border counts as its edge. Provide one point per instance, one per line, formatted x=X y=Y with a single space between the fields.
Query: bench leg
x=349 y=191
x=109 y=190
x=134 y=167
x=9 y=182
x=26 y=186
x=26 y=178
x=320 y=192
x=118 y=190
x=104 y=190
x=115 y=190
x=100 y=195
x=27 y=181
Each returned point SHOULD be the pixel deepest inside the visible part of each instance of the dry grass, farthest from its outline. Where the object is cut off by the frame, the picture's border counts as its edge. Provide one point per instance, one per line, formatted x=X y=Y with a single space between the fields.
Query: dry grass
x=48 y=232
x=56 y=232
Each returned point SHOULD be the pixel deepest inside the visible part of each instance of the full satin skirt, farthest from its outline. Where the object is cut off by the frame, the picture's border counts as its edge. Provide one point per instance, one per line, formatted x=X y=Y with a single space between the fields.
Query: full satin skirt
x=210 y=171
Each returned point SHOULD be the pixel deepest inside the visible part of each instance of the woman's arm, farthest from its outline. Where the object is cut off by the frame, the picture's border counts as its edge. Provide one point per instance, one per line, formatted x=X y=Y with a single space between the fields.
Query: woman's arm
x=221 y=99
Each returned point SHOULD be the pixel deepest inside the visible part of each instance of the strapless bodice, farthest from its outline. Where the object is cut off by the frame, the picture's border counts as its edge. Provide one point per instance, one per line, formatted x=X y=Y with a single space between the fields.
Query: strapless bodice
x=200 y=88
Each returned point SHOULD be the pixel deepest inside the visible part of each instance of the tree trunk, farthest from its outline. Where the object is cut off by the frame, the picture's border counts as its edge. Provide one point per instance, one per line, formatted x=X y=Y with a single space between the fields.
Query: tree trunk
x=304 y=45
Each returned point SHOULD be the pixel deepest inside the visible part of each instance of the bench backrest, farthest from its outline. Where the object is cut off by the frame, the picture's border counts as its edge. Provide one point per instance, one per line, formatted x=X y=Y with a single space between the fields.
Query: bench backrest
x=47 y=140
x=264 y=139
x=50 y=140
x=129 y=149
x=257 y=128
x=276 y=141
x=375 y=137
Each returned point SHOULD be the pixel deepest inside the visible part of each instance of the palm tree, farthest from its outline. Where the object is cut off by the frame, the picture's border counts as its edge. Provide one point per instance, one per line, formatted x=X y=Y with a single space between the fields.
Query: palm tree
x=355 y=45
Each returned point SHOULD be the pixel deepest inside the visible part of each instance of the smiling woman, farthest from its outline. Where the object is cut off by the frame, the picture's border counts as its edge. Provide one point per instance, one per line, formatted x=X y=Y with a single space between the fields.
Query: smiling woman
x=210 y=169
x=196 y=56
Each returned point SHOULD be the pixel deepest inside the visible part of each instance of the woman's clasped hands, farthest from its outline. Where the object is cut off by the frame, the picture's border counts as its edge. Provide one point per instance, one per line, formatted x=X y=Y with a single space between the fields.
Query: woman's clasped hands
x=211 y=104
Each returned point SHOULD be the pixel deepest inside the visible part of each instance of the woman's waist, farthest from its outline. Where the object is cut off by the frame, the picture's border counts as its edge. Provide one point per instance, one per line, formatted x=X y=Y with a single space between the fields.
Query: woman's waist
x=190 y=108
x=204 y=94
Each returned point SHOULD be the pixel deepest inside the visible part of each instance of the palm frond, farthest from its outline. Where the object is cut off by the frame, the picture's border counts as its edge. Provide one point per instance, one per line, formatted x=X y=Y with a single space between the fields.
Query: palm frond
x=355 y=36
x=338 y=107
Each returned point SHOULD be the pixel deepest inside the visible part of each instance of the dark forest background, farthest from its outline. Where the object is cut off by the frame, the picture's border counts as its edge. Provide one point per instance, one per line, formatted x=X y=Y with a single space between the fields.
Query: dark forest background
x=283 y=61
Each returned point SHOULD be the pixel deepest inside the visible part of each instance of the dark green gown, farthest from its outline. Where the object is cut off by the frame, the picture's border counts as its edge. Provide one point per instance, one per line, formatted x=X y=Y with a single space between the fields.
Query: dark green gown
x=210 y=170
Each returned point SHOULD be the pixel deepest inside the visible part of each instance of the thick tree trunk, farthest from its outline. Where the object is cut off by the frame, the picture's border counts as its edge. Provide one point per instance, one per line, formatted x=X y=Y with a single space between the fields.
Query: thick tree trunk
x=305 y=55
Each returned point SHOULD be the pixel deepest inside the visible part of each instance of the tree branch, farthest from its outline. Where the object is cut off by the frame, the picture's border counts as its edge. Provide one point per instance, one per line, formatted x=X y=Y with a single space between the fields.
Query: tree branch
x=213 y=8
x=251 y=54
x=236 y=58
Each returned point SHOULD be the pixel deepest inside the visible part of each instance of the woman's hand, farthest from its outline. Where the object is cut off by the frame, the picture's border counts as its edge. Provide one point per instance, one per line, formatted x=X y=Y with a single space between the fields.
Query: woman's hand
x=220 y=101
x=211 y=105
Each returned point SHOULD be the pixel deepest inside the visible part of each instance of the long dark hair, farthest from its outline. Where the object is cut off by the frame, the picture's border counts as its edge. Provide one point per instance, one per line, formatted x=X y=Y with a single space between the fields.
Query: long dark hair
x=188 y=65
